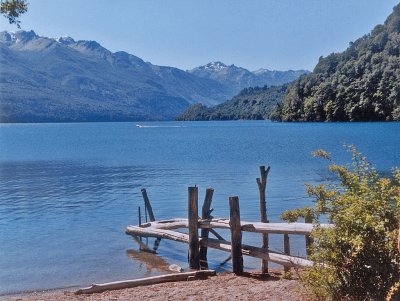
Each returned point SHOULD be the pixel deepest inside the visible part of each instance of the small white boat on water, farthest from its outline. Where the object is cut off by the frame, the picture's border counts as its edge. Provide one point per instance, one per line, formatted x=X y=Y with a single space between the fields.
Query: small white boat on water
x=158 y=126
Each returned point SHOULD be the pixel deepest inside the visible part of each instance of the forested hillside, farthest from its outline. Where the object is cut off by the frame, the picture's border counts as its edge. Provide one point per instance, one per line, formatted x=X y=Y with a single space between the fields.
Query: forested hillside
x=359 y=84
x=250 y=103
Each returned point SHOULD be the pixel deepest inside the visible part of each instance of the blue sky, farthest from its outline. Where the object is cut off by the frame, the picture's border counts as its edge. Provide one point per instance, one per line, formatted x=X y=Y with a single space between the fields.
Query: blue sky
x=273 y=34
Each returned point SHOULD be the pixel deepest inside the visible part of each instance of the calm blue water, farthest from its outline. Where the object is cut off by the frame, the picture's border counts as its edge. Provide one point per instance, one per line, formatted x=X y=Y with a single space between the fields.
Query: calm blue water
x=68 y=190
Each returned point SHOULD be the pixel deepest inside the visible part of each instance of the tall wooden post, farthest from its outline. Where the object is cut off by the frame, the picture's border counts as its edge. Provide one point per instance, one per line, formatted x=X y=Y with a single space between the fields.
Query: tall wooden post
x=147 y=205
x=139 y=222
x=236 y=235
x=286 y=250
x=149 y=210
x=205 y=214
x=193 y=228
x=262 y=183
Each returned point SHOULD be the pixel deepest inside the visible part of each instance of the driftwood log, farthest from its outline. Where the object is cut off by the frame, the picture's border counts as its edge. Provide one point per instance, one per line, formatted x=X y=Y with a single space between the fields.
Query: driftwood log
x=99 y=288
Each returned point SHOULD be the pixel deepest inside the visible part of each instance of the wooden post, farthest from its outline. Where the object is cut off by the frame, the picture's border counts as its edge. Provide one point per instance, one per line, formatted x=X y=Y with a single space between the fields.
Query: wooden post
x=309 y=240
x=262 y=183
x=140 y=223
x=286 y=249
x=149 y=210
x=147 y=205
x=193 y=228
x=236 y=236
x=205 y=214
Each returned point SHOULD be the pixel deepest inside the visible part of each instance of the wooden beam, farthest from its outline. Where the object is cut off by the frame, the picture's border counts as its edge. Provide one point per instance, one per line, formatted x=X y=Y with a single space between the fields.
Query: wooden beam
x=99 y=288
x=257 y=252
x=236 y=236
x=149 y=210
x=194 y=262
x=162 y=233
x=286 y=249
x=205 y=214
x=222 y=245
x=262 y=184
x=222 y=223
x=147 y=205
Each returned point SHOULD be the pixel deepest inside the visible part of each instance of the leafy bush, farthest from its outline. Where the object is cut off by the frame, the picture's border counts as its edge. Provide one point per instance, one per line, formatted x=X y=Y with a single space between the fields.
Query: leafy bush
x=358 y=258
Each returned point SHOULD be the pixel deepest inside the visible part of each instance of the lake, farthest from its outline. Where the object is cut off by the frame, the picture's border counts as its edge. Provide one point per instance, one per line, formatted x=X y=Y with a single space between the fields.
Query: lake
x=67 y=191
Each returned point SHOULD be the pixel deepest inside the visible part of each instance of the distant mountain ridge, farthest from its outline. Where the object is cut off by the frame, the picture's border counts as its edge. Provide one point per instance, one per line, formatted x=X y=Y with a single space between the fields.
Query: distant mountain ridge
x=46 y=79
x=60 y=80
x=239 y=78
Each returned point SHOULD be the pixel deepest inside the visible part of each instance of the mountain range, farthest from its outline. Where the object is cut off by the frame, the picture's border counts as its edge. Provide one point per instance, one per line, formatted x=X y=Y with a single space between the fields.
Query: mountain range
x=59 y=80
x=361 y=83
x=238 y=78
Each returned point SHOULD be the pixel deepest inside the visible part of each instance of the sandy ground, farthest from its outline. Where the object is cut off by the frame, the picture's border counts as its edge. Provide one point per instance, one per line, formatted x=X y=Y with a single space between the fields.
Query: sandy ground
x=225 y=286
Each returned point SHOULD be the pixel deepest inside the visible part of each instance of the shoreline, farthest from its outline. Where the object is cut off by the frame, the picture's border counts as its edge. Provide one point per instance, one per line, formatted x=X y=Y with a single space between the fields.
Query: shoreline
x=223 y=286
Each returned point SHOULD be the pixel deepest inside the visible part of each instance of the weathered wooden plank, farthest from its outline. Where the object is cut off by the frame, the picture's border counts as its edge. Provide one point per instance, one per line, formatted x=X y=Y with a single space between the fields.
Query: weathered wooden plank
x=98 y=288
x=274 y=228
x=162 y=233
x=205 y=214
x=262 y=184
x=223 y=245
x=257 y=252
x=170 y=224
x=194 y=262
x=236 y=236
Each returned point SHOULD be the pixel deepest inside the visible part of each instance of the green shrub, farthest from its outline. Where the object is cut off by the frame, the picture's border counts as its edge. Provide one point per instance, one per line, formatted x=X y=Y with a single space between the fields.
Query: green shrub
x=358 y=258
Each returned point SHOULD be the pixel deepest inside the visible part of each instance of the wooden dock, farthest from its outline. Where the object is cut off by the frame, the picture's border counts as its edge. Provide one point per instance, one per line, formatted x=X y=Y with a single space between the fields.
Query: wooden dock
x=168 y=229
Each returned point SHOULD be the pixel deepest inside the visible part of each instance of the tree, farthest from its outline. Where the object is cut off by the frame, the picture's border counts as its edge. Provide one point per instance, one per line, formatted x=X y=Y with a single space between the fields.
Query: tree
x=13 y=9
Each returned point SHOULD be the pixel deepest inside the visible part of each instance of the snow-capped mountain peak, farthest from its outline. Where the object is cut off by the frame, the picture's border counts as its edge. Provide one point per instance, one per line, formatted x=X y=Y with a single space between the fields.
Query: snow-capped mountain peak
x=215 y=66
x=16 y=37
x=65 y=40
x=261 y=71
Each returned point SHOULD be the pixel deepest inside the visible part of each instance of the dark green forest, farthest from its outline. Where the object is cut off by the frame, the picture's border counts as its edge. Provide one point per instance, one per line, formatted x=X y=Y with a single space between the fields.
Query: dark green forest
x=250 y=103
x=360 y=84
